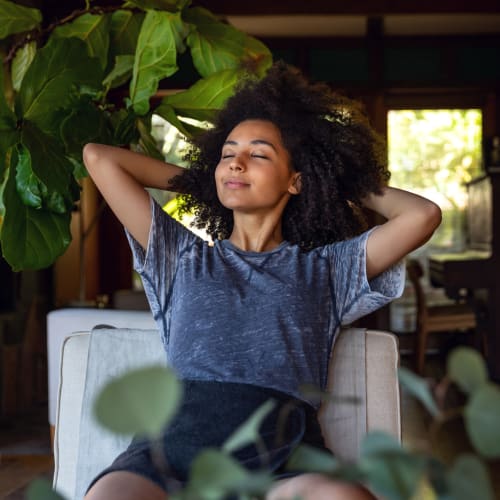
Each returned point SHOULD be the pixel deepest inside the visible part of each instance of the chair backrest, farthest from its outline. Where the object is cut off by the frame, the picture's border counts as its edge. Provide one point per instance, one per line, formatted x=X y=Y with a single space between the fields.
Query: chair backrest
x=364 y=364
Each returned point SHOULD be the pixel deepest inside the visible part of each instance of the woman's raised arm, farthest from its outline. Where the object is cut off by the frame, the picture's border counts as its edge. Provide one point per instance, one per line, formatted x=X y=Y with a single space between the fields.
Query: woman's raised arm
x=411 y=221
x=121 y=176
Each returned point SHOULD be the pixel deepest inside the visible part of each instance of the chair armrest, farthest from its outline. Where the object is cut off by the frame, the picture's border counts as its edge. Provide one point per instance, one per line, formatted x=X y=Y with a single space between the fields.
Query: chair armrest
x=73 y=366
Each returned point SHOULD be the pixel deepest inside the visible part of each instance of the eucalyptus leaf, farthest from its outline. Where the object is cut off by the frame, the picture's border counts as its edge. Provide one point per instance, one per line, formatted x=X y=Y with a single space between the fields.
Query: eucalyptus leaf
x=121 y=72
x=248 y=432
x=93 y=30
x=21 y=62
x=309 y=459
x=31 y=238
x=393 y=474
x=58 y=71
x=205 y=98
x=142 y=401
x=15 y=18
x=482 y=420
x=469 y=478
x=418 y=388
x=155 y=56
x=467 y=369
x=214 y=474
x=41 y=489
x=125 y=28
x=379 y=442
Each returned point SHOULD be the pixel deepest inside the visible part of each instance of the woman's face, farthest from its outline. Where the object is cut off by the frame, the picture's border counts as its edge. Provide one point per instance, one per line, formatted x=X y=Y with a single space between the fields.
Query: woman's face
x=254 y=174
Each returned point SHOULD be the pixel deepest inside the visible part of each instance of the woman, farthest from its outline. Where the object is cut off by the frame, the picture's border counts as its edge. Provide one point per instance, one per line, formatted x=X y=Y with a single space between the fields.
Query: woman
x=278 y=183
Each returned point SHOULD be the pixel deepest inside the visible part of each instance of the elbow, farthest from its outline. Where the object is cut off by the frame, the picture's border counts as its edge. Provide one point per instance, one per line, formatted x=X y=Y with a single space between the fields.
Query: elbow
x=431 y=218
x=90 y=154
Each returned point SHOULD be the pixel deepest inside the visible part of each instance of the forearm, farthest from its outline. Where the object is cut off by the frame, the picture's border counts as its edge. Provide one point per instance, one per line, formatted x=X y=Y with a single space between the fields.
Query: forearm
x=411 y=221
x=395 y=202
x=146 y=171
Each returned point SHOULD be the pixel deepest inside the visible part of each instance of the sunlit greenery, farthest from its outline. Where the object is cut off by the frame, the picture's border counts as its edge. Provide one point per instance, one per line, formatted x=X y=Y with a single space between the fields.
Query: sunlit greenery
x=434 y=153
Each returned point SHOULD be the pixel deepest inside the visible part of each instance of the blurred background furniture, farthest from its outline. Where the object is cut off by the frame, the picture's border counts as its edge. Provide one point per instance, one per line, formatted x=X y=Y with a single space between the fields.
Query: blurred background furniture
x=63 y=322
x=457 y=316
x=364 y=365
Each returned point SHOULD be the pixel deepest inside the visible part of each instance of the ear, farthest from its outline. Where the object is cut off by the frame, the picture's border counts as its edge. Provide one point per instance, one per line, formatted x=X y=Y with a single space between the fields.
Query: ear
x=296 y=184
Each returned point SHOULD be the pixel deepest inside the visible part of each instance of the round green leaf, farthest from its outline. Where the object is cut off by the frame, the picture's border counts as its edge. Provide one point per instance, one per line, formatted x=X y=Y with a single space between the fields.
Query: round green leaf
x=418 y=388
x=248 y=432
x=469 y=478
x=309 y=459
x=467 y=369
x=482 y=420
x=141 y=402
x=214 y=475
x=41 y=489
x=378 y=442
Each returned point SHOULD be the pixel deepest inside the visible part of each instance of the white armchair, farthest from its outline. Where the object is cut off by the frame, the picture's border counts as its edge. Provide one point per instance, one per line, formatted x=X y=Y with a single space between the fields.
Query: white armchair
x=364 y=364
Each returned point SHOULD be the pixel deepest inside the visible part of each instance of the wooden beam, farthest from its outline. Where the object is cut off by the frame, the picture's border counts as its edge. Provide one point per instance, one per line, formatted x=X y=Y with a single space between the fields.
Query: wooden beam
x=349 y=7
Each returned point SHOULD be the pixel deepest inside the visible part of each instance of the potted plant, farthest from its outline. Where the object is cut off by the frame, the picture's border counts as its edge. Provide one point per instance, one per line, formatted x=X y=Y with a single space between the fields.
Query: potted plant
x=90 y=77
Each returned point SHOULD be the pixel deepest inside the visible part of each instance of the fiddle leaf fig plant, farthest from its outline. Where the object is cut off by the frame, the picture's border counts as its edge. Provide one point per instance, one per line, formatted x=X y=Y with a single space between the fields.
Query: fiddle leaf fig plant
x=91 y=77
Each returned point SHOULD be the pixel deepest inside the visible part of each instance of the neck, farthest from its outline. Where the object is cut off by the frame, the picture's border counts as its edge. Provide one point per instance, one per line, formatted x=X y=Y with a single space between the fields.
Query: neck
x=255 y=234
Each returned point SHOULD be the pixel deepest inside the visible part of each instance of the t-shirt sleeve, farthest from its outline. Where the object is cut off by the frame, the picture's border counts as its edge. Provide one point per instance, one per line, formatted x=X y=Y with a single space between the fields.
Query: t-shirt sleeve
x=157 y=263
x=354 y=296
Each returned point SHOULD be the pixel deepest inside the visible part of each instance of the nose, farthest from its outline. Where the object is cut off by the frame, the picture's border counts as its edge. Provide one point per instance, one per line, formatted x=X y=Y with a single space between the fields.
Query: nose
x=236 y=165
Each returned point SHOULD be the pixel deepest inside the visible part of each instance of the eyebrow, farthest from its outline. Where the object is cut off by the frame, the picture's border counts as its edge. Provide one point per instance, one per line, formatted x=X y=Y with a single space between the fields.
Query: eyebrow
x=255 y=141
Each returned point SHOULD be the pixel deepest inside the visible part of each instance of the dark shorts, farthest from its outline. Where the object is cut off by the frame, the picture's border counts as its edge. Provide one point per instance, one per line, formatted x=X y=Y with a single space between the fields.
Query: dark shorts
x=209 y=413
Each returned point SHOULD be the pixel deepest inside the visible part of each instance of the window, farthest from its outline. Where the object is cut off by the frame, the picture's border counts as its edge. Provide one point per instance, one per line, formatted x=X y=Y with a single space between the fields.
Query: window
x=434 y=152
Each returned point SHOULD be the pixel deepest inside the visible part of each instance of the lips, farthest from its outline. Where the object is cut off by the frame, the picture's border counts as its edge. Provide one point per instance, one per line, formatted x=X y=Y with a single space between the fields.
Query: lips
x=235 y=184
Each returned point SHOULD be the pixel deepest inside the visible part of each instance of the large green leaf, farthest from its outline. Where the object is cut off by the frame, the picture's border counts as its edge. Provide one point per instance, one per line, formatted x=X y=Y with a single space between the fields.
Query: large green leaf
x=155 y=56
x=21 y=62
x=85 y=122
x=468 y=478
x=143 y=401
x=31 y=238
x=169 y=5
x=62 y=66
x=15 y=18
x=121 y=72
x=8 y=129
x=51 y=169
x=93 y=30
x=125 y=28
x=216 y=46
x=205 y=98
x=467 y=369
x=482 y=420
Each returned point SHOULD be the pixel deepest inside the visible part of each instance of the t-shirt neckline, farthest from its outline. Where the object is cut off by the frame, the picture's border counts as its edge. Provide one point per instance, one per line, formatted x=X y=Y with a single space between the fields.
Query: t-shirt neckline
x=227 y=244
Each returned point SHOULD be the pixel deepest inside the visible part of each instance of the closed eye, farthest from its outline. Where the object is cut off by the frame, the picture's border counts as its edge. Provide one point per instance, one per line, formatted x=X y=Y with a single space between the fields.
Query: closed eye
x=261 y=156
x=227 y=156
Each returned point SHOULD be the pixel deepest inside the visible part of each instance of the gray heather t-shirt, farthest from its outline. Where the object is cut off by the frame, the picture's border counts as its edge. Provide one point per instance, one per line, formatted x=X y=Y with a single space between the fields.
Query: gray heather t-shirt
x=262 y=318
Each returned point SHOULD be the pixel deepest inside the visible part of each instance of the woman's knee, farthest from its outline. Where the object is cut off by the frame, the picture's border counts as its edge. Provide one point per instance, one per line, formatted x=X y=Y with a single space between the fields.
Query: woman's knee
x=125 y=485
x=317 y=487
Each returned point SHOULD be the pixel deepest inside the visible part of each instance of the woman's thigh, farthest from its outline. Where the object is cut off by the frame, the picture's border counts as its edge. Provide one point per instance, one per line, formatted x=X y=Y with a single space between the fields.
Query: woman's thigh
x=317 y=487
x=123 y=485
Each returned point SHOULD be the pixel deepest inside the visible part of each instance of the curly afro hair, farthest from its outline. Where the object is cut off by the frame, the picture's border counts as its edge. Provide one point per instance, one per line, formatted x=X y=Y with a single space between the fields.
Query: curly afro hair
x=330 y=142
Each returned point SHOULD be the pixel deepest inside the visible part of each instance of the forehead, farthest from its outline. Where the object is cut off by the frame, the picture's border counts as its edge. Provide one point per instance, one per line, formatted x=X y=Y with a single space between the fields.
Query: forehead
x=256 y=129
